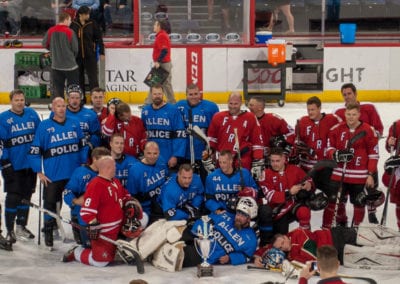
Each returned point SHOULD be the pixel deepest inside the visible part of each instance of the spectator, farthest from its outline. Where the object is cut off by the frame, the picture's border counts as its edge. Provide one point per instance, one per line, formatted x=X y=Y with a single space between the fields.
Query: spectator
x=284 y=6
x=10 y=11
x=63 y=45
x=90 y=39
x=162 y=58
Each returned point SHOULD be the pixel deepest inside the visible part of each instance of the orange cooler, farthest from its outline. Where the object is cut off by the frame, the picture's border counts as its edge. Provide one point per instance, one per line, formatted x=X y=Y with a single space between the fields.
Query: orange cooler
x=276 y=51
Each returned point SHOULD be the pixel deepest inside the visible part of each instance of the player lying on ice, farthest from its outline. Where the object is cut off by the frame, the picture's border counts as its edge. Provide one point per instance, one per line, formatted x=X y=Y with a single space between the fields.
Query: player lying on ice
x=370 y=246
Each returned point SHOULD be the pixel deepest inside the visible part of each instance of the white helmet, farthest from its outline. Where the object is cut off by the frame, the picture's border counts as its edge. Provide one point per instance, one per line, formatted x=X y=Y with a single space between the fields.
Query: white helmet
x=248 y=206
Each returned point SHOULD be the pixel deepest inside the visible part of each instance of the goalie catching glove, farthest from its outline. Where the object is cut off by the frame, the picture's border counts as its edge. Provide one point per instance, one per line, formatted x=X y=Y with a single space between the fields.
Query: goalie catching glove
x=392 y=163
x=343 y=156
x=257 y=169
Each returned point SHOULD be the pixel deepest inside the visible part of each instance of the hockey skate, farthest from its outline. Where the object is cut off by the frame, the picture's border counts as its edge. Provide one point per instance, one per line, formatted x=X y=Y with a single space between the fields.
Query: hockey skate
x=5 y=244
x=11 y=237
x=69 y=255
x=48 y=234
x=382 y=257
x=373 y=234
x=23 y=233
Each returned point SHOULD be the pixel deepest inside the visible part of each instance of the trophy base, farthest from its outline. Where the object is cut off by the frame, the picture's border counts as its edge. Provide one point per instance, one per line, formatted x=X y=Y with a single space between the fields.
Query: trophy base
x=205 y=271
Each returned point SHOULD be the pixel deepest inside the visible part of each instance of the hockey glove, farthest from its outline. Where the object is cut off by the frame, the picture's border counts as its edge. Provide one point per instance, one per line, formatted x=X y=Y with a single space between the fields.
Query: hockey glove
x=257 y=168
x=343 y=156
x=278 y=141
x=7 y=171
x=392 y=163
x=193 y=212
x=303 y=149
x=93 y=230
x=302 y=195
x=372 y=196
x=208 y=164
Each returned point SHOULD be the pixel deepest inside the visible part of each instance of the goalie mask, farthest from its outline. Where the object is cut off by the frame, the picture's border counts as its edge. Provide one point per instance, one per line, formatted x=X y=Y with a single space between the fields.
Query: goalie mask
x=133 y=213
x=273 y=258
x=248 y=206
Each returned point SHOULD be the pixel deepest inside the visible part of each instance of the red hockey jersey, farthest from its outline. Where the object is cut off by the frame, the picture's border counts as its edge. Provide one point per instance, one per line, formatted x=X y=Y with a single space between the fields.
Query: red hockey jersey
x=133 y=131
x=276 y=184
x=104 y=201
x=393 y=132
x=315 y=135
x=366 y=152
x=273 y=125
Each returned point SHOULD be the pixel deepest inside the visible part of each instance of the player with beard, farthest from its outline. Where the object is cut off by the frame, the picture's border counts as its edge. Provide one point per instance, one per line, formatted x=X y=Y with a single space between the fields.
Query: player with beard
x=234 y=240
x=164 y=125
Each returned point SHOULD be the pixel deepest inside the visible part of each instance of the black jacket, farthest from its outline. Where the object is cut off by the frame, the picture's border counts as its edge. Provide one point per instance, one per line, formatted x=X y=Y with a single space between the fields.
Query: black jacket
x=89 y=36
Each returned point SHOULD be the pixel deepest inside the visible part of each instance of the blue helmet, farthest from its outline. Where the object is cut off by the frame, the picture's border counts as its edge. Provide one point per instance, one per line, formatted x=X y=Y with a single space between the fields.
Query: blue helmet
x=273 y=258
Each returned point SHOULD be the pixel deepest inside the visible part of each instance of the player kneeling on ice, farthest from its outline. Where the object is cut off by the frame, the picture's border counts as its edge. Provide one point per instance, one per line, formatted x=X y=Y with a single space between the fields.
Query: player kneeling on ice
x=232 y=241
x=103 y=210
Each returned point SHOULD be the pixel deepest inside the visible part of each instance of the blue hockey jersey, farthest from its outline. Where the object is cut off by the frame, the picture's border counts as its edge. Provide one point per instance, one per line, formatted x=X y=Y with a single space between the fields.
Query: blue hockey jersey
x=220 y=187
x=62 y=147
x=145 y=181
x=89 y=124
x=165 y=126
x=239 y=245
x=122 y=167
x=17 y=133
x=76 y=187
x=199 y=115
x=173 y=197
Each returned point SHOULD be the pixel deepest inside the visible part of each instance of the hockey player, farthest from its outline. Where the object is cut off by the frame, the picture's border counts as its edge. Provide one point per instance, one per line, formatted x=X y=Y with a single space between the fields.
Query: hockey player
x=284 y=190
x=182 y=195
x=60 y=145
x=123 y=161
x=222 y=134
x=103 y=211
x=370 y=115
x=272 y=125
x=196 y=111
x=164 y=125
x=233 y=240
x=88 y=121
x=75 y=189
x=225 y=184
x=145 y=179
x=357 y=164
x=130 y=126
x=97 y=96
x=17 y=130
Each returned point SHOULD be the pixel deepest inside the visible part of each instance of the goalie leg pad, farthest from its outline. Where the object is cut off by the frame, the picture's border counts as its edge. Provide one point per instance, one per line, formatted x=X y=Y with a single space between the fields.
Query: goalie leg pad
x=374 y=234
x=175 y=234
x=169 y=257
x=385 y=257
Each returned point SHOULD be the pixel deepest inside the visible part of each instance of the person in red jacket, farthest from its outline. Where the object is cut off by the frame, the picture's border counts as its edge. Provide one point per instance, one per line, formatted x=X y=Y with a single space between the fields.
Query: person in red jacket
x=162 y=58
x=327 y=266
x=284 y=187
x=357 y=164
x=130 y=126
x=103 y=211
x=221 y=133
x=370 y=115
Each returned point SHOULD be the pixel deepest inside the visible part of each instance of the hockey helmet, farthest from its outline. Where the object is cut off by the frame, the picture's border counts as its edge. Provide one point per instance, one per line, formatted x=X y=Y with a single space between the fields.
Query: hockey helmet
x=273 y=258
x=113 y=101
x=74 y=88
x=133 y=213
x=248 y=206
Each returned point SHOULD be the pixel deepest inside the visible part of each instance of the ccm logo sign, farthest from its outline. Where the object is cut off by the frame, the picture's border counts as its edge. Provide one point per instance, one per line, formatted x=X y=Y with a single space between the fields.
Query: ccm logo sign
x=194 y=66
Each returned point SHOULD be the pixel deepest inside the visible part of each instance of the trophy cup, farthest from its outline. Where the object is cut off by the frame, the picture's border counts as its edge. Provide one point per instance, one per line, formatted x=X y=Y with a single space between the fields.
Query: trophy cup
x=205 y=245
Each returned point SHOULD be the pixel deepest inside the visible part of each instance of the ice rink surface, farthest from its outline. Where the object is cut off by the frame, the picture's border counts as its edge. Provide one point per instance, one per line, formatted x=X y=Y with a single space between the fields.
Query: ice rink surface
x=30 y=263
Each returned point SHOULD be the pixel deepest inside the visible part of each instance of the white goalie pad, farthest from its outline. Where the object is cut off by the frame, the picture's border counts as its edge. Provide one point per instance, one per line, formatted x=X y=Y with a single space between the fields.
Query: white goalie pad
x=156 y=235
x=373 y=234
x=382 y=257
x=169 y=257
x=289 y=270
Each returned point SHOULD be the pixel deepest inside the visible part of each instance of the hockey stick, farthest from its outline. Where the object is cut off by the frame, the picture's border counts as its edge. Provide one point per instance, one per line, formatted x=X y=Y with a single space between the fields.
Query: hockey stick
x=120 y=246
x=40 y=213
x=199 y=134
x=191 y=146
x=391 y=179
x=350 y=143
x=239 y=157
x=252 y=267
x=58 y=221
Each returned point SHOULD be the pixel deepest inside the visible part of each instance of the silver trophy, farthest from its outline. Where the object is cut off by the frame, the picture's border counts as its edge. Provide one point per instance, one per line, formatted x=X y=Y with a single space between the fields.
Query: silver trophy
x=205 y=246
